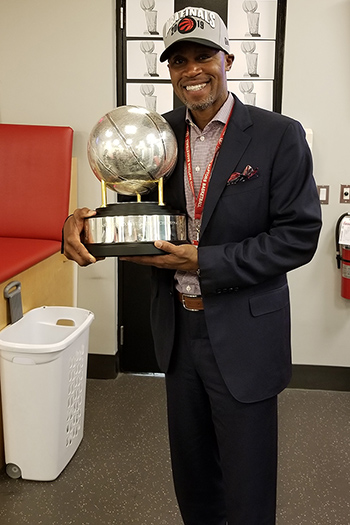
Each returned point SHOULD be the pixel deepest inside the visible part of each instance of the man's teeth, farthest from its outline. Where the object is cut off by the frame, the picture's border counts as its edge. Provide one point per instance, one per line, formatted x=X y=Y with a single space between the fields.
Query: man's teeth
x=195 y=88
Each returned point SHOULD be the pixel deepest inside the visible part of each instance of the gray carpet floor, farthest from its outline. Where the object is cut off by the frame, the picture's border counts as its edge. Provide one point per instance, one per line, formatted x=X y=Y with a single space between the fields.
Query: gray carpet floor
x=121 y=472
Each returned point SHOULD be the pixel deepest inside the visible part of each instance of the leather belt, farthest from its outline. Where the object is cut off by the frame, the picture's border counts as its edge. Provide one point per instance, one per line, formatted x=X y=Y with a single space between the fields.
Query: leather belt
x=193 y=303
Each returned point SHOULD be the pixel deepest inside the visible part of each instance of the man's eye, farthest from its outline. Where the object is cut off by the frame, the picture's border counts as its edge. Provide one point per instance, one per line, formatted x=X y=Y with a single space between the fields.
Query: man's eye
x=177 y=61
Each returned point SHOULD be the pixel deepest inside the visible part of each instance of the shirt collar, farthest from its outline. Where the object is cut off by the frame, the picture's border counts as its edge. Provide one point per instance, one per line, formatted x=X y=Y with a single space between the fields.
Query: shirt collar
x=221 y=116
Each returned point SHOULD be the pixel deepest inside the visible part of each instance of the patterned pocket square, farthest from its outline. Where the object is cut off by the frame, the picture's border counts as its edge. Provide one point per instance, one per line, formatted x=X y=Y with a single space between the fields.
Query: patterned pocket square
x=246 y=174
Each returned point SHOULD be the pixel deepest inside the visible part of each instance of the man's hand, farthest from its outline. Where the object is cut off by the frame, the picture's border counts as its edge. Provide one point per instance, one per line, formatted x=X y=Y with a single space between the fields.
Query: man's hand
x=183 y=257
x=73 y=247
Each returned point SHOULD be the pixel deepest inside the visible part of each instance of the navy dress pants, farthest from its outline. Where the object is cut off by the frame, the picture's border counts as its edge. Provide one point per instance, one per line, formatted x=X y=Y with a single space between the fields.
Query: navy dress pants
x=223 y=452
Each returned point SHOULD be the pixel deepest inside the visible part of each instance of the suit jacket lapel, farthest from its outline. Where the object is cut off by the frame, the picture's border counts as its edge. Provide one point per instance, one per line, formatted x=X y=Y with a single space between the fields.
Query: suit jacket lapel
x=234 y=145
x=174 y=190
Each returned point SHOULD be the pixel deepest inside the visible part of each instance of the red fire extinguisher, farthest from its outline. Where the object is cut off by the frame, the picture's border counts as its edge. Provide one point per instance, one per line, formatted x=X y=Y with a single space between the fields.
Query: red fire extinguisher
x=343 y=255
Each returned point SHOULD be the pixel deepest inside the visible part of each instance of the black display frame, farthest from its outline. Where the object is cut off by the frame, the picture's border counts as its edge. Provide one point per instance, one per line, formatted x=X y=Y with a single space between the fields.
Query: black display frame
x=135 y=344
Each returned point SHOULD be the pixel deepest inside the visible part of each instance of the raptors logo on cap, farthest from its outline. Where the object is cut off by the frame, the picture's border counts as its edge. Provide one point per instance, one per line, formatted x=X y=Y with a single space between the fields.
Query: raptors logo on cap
x=195 y=24
x=187 y=25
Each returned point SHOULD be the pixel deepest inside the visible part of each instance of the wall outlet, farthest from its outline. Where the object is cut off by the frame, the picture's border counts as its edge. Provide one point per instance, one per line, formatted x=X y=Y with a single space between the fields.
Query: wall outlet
x=344 y=193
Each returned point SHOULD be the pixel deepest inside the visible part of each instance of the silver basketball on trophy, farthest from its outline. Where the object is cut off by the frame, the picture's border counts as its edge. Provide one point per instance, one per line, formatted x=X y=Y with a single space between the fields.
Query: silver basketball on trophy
x=132 y=150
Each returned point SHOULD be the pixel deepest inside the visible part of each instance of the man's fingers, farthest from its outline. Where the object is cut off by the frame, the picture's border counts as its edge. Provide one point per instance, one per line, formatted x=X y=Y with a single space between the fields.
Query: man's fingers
x=73 y=248
x=81 y=214
x=183 y=257
x=165 y=246
x=76 y=251
x=82 y=256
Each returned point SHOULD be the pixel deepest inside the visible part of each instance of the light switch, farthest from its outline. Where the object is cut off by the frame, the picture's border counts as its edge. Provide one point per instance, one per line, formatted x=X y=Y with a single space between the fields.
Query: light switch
x=323 y=193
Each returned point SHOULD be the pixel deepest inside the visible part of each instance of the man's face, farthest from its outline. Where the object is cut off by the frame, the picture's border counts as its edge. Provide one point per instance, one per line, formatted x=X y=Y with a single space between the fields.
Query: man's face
x=198 y=76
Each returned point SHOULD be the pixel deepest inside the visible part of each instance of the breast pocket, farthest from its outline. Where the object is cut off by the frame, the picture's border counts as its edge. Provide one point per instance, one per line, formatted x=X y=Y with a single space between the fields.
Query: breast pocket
x=241 y=211
x=243 y=187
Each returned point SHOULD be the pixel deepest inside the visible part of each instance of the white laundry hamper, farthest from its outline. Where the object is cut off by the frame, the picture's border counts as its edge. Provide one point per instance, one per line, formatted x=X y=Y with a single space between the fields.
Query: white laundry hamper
x=43 y=368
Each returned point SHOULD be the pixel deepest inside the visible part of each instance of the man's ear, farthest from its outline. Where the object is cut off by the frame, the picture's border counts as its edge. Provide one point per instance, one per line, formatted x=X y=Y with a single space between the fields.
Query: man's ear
x=229 y=59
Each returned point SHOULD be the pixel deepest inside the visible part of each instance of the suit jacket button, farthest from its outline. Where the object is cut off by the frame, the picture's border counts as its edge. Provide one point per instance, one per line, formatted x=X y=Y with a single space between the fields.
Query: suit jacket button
x=219 y=290
x=236 y=289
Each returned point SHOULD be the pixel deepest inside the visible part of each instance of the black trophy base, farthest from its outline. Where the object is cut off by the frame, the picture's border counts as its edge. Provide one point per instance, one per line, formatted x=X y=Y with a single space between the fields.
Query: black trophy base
x=126 y=249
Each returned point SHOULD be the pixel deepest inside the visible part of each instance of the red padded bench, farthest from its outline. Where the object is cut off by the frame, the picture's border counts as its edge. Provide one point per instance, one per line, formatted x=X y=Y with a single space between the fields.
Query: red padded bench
x=35 y=171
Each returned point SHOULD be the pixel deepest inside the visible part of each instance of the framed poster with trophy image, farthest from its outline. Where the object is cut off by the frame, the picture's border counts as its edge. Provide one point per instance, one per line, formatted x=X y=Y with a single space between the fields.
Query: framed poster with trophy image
x=256 y=32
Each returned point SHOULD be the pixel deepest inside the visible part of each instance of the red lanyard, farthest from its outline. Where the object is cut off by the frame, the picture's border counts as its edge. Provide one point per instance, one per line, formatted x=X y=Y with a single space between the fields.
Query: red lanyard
x=199 y=201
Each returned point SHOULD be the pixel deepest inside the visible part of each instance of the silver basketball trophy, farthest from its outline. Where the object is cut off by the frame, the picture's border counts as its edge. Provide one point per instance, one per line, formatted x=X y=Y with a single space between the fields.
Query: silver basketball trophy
x=132 y=150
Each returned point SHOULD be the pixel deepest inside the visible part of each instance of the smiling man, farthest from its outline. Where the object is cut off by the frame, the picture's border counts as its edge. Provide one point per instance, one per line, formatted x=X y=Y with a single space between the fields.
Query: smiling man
x=198 y=72
x=198 y=76
x=220 y=311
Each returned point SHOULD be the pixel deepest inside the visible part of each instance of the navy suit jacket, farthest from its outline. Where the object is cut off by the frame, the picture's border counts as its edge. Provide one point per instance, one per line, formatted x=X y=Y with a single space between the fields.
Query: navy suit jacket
x=252 y=234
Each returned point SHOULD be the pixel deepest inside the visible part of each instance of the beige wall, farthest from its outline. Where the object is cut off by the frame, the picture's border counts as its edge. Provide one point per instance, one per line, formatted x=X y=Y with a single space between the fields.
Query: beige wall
x=58 y=67
x=316 y=92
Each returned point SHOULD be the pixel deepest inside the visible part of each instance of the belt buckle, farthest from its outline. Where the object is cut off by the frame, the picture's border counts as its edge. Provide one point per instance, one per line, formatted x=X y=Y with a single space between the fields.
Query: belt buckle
x=184 y=295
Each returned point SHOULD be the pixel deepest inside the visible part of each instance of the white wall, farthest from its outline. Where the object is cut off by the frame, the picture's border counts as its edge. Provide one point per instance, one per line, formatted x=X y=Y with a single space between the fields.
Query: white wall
x=316 y=92
x=57 y=64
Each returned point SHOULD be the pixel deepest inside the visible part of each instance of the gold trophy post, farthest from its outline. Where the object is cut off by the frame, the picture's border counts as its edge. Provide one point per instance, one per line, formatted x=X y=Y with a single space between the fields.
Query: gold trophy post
x=138 y=196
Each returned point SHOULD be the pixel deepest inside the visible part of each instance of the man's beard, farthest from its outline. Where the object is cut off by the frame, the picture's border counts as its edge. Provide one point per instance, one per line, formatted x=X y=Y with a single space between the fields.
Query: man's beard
x=201 y=105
